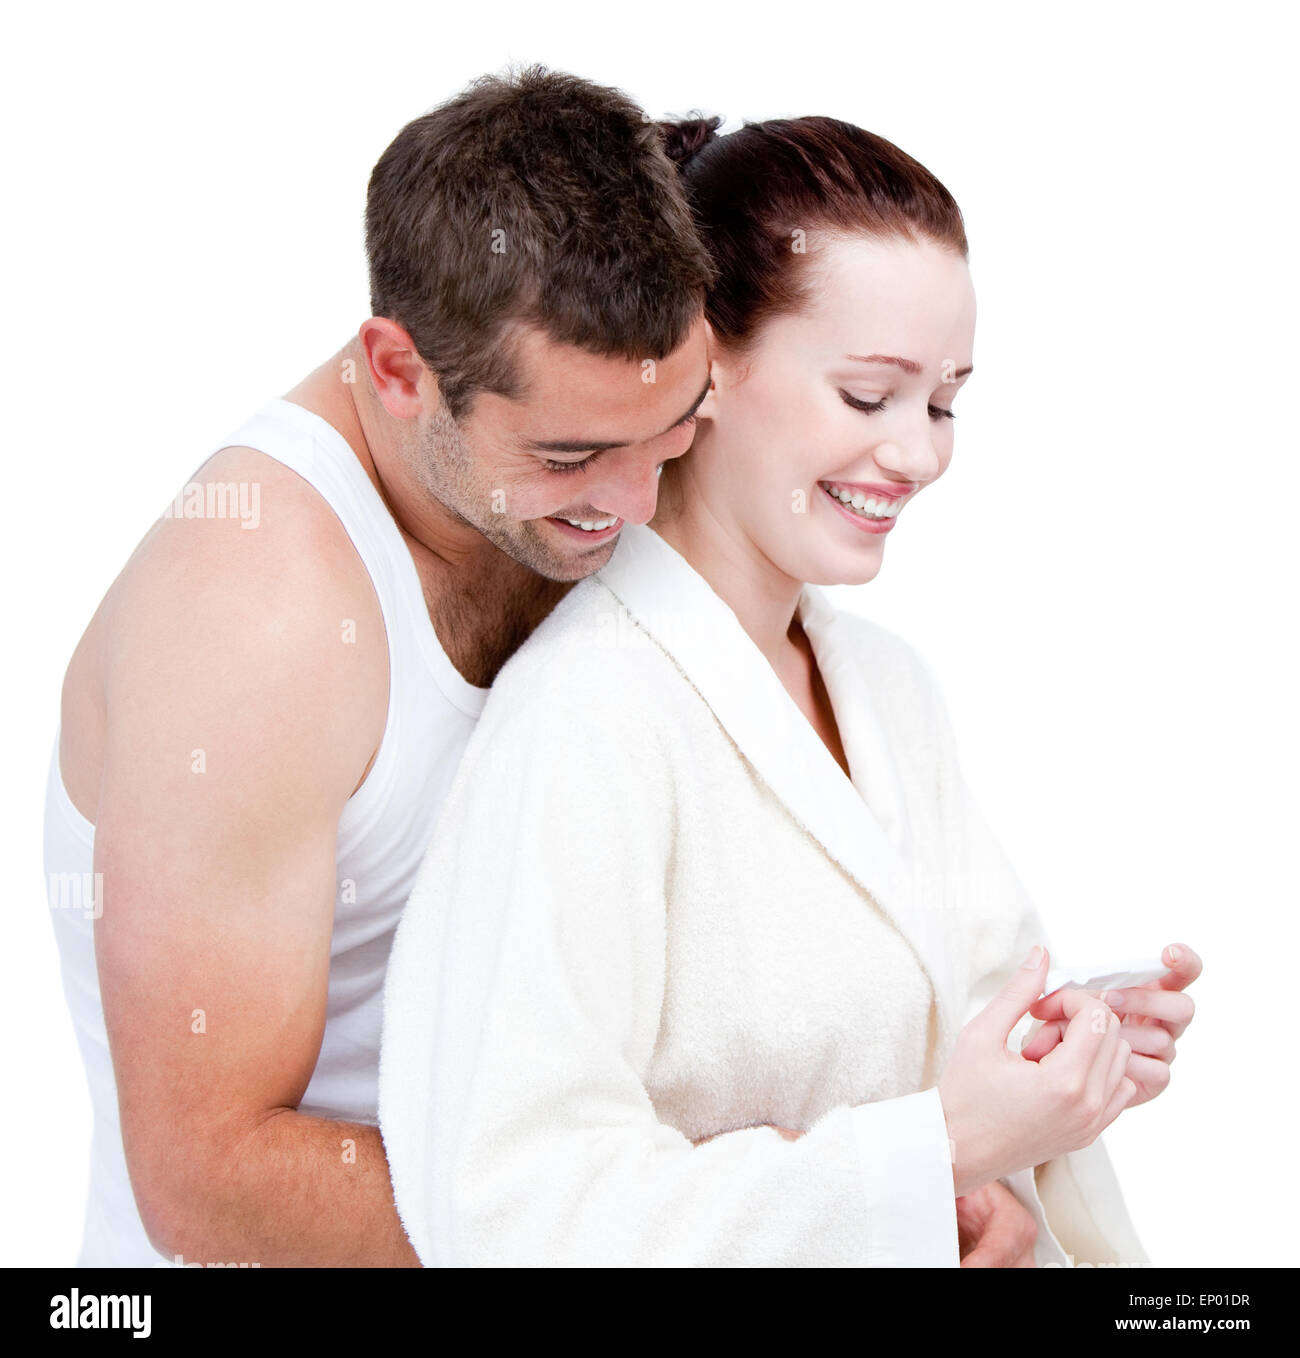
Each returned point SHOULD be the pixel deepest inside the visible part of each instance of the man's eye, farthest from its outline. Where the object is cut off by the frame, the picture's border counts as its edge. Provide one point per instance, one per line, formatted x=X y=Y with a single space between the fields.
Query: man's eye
x=571 y=466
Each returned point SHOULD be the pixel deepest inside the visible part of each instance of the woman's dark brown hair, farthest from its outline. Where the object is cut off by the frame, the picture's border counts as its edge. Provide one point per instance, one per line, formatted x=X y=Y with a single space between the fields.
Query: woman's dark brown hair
x=763 y=195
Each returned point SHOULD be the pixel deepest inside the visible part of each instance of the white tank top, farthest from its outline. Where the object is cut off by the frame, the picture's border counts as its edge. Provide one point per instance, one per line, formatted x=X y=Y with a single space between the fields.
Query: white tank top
x=382 y=835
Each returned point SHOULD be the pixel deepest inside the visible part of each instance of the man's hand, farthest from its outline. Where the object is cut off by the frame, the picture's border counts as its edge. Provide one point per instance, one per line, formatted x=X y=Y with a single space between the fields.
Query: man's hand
x=788 y=1132
x=1154 y=1017
x=994 y=1230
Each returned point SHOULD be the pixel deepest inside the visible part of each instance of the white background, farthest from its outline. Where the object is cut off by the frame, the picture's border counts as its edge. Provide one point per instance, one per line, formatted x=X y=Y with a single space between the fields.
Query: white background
x=1104 y=579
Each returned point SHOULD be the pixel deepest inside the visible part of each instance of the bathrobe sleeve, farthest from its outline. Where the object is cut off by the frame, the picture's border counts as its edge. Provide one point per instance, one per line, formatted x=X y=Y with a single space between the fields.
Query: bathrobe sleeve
x=1076 y=1196
x=522 y=1005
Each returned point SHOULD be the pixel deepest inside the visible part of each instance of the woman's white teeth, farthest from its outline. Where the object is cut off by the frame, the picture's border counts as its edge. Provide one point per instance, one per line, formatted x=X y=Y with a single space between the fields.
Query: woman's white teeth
x=592 y=525
x=866 y=505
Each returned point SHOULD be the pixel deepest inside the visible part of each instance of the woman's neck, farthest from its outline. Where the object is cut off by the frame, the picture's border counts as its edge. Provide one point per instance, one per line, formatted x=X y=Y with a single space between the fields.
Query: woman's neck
x=763 y=597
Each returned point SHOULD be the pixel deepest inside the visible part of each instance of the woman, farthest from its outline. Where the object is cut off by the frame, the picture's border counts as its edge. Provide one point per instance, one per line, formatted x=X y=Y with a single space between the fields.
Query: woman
x=709 y=869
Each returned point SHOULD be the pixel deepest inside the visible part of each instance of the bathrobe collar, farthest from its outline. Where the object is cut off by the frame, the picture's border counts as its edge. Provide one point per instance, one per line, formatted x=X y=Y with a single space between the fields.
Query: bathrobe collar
x=861 y=824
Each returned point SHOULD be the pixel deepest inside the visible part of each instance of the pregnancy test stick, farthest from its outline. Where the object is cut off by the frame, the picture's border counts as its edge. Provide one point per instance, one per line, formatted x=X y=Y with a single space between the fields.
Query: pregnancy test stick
x=1090 y=976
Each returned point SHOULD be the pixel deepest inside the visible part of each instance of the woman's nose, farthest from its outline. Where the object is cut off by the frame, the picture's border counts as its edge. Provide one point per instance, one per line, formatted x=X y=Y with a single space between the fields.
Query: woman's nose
x=915 y=458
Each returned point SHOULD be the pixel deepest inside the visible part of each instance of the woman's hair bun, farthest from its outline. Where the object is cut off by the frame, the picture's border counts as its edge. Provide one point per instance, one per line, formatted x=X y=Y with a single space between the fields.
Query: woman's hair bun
x=684 y=138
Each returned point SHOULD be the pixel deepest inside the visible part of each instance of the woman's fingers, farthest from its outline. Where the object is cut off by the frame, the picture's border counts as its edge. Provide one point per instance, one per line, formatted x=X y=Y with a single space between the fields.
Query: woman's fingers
x=1087 y=1030
x=1106 y=1065
x=1121 y=1064
x=1142 y=1054
x=1049 y=1007
x=1151 y=1076
x=1042 y=1041
x=1184 y=967
x=1145 y=1039
x=1124 y=1095
x=1087 y=1026
x=1150 y=1040
x=1171 y=1008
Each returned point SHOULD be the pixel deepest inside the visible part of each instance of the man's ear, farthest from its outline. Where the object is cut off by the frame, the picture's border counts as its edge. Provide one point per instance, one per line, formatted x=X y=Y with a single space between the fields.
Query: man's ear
x=402 y=381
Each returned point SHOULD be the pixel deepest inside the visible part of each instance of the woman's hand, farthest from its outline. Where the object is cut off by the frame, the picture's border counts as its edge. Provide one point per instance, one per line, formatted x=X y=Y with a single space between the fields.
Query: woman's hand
x=1155 y=1016
x=1005 y=1113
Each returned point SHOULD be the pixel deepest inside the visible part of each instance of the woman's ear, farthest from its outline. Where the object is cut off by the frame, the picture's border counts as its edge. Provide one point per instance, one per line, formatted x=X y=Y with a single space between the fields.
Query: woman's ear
x=707 y=407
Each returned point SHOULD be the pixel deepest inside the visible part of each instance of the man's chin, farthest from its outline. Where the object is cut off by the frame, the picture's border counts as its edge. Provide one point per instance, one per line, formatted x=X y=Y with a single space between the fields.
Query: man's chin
x=578 y=561
x=551 y=552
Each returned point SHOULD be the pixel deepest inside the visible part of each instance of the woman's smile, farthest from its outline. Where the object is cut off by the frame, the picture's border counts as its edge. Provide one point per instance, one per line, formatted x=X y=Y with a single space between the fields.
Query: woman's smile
x=871 y=510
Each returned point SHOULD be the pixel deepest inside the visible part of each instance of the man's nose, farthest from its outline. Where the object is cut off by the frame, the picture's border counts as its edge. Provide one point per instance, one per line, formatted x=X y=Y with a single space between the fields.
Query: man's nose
x=630 y=489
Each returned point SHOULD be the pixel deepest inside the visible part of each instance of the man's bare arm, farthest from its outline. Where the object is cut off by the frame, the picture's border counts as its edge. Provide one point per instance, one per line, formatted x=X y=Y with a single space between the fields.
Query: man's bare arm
x=239 y=719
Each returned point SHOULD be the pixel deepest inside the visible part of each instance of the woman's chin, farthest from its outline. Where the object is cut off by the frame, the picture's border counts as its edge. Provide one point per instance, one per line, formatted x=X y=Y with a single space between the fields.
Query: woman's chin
x=816 y=560
x=844 y=568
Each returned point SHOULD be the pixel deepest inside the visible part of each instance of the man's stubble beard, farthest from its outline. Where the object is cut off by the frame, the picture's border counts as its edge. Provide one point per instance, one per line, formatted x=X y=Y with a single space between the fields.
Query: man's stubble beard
x=446 y=470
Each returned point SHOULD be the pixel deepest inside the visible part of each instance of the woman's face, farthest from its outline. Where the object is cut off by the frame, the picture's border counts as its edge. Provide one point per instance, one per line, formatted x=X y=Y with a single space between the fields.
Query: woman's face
x=846 y=403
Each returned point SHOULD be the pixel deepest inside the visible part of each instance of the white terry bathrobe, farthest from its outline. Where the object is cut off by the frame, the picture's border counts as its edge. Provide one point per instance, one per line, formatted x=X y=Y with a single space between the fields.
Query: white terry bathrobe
x=655 y=910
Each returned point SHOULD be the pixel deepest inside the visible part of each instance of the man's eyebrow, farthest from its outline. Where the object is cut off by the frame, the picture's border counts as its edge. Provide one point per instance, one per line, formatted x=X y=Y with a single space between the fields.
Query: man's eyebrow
x=908 y=365
x=587 y=446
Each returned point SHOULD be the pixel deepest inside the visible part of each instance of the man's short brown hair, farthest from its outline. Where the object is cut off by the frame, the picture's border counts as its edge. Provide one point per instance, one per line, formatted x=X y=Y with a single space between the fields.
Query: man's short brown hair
x=535 y=198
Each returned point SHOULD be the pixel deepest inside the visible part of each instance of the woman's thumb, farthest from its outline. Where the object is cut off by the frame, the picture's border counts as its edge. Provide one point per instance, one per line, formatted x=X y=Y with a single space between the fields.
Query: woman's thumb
x=1021 y=989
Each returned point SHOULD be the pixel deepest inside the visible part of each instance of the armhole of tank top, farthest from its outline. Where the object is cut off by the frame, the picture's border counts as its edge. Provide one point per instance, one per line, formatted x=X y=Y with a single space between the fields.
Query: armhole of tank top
x=312 y=464
x=73 y=819
x=404 y=579
x=366 y=800
x=321 y=464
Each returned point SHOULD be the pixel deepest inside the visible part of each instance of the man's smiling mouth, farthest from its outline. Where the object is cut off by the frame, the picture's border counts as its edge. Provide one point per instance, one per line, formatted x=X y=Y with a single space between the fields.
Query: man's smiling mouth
x=588 y=525
x=594 y=530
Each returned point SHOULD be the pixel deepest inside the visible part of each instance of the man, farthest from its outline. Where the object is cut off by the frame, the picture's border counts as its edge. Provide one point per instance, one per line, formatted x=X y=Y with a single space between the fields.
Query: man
x=258 y=727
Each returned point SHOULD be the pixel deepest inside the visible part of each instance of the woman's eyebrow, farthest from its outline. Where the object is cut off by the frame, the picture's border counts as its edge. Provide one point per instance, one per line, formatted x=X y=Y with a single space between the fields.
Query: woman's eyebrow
x=908 y=365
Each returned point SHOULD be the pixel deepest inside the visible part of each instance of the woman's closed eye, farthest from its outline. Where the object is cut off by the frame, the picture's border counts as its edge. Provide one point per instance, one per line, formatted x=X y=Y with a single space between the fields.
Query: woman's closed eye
x=871 y=407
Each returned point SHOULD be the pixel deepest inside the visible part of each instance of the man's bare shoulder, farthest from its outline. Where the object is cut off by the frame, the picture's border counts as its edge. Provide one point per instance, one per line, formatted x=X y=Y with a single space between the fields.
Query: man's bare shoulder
x=276 y=563
x=255 y=601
